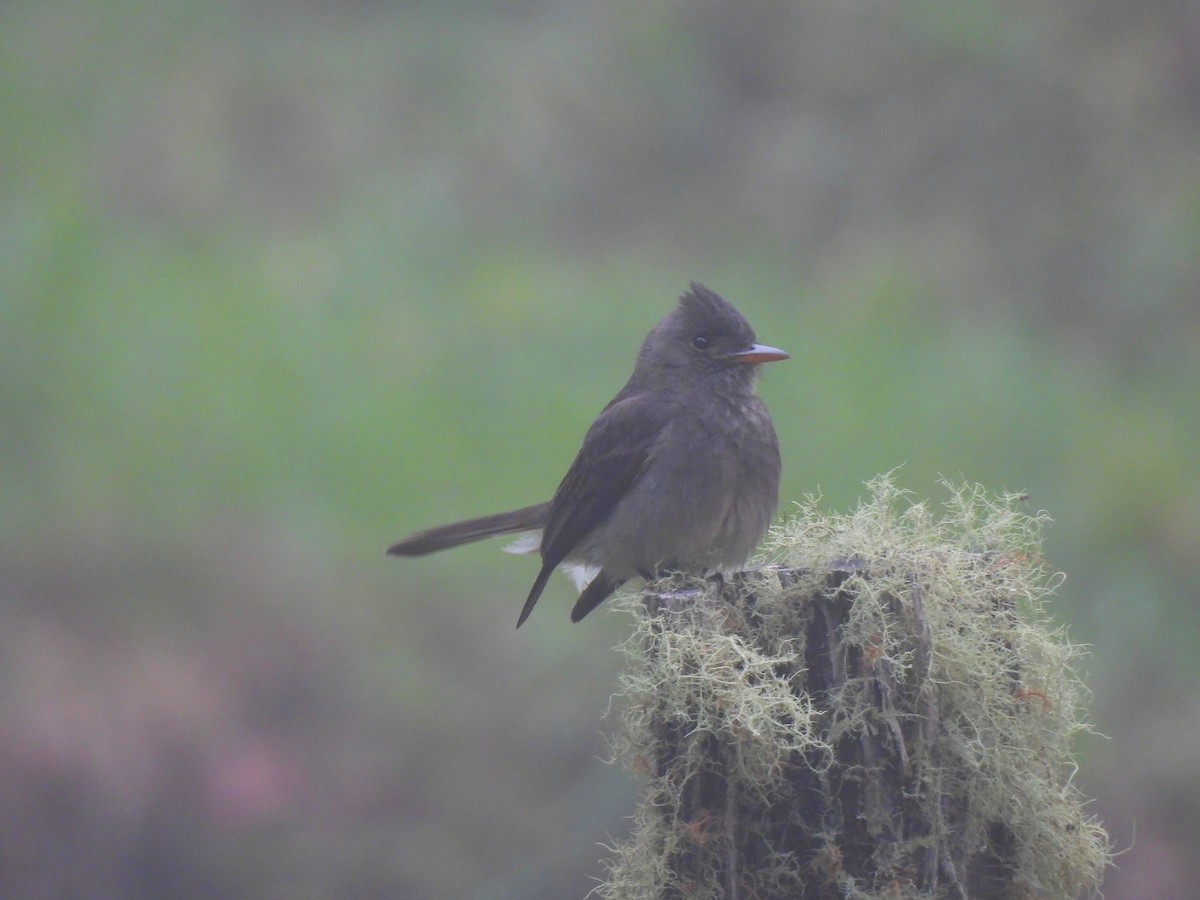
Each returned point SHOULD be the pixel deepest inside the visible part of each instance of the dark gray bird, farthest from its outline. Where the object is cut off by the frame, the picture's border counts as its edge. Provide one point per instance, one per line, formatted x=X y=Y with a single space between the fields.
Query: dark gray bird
x=680 y=471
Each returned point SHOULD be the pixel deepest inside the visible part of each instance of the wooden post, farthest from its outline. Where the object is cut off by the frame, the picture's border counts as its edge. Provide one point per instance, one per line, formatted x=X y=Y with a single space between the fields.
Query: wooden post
x=891 y=723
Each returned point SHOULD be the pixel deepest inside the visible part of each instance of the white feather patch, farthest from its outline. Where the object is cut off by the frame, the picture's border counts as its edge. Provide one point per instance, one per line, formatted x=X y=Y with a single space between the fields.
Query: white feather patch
x=580 y=574
x=529 y=542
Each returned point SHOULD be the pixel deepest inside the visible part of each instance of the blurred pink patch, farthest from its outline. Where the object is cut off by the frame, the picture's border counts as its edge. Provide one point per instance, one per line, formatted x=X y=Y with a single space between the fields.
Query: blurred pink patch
x=252 y=781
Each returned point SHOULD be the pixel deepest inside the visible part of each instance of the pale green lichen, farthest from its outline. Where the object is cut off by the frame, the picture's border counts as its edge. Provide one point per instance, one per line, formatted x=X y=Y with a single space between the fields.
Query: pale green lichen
x=943 y=720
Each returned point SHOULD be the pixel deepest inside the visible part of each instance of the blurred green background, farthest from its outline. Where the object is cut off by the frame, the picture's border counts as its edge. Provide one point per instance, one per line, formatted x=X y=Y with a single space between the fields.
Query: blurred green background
x=281 y=282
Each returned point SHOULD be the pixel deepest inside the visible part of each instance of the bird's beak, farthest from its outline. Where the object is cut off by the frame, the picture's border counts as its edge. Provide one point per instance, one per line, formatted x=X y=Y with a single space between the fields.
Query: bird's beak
x=757 y=353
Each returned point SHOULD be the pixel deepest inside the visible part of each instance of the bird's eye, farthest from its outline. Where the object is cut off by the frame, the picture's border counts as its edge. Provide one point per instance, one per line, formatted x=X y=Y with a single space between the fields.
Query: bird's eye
x=700 y=342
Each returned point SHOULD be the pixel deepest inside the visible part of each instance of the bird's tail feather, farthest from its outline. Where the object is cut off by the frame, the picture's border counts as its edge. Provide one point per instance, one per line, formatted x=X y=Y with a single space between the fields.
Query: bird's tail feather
x=444 y=537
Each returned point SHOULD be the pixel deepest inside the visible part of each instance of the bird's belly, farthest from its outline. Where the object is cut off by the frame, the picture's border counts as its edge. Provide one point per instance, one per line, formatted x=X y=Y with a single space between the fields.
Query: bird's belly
x=702 y=518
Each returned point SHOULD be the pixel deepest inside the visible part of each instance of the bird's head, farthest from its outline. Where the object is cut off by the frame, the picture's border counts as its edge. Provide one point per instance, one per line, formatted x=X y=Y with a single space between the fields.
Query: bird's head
x=702 y=337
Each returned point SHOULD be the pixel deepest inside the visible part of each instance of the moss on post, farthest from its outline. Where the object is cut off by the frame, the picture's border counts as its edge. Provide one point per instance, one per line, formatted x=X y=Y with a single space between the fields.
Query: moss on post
x=886 y=712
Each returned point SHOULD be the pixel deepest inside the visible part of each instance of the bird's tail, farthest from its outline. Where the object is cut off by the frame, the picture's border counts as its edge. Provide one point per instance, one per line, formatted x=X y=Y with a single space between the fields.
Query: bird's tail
x=444 y=537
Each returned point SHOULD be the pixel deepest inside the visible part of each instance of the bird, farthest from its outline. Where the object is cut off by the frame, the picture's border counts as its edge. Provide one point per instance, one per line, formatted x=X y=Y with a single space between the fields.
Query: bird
x=678 y=473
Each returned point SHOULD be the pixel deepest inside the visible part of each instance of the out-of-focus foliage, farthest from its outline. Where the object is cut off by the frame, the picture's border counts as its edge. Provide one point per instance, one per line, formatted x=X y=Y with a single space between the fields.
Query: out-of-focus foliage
x=280 y=282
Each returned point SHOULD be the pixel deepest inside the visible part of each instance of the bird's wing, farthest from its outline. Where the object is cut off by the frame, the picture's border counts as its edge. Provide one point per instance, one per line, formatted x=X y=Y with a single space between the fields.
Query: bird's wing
x=613 y=455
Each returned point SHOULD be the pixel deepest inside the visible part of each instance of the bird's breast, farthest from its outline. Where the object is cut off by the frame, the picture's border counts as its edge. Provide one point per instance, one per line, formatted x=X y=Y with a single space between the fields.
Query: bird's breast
x=704 y=499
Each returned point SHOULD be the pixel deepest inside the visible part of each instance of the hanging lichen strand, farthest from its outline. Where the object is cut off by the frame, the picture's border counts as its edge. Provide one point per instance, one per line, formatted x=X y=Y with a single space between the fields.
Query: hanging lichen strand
x=887 y=711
